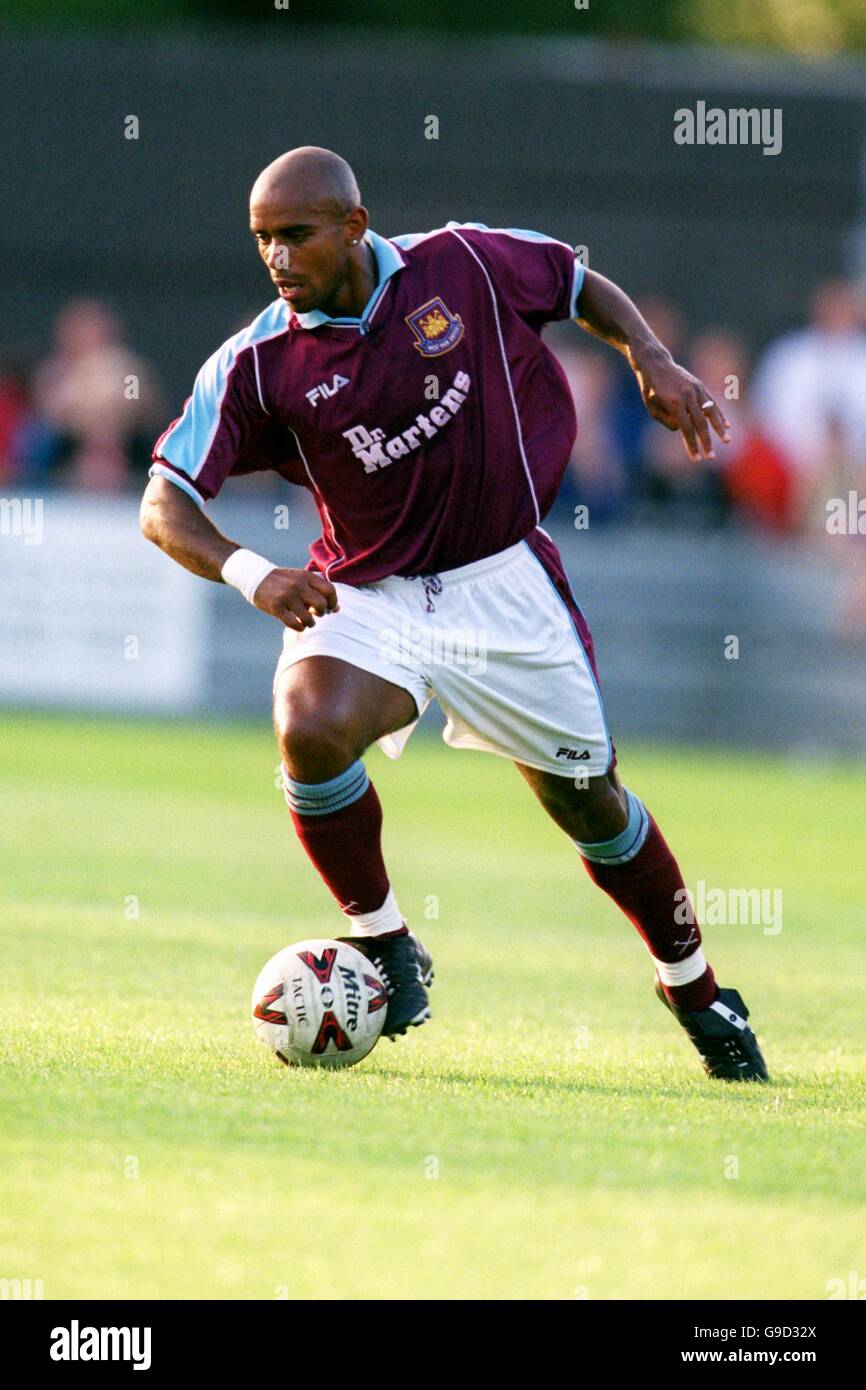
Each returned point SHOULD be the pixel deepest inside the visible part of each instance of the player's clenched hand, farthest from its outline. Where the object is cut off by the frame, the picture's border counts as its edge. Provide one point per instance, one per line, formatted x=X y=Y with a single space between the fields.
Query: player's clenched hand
x=296 y=597
x=680 y=401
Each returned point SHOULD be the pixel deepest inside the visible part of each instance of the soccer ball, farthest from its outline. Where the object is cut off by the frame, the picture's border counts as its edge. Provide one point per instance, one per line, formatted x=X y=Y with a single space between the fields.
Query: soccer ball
x=319 y=1003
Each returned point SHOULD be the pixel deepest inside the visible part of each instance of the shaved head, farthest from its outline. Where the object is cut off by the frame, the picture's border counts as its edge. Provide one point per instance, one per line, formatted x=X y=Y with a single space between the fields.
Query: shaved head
x=309 y=177
x=309 y=227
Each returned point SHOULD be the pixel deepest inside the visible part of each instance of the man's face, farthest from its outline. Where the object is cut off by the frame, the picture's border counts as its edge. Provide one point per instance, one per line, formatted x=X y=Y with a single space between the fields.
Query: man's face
x=305 y=248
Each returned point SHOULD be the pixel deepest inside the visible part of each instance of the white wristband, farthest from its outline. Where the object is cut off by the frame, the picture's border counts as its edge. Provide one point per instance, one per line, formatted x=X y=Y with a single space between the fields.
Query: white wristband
x=245 y=570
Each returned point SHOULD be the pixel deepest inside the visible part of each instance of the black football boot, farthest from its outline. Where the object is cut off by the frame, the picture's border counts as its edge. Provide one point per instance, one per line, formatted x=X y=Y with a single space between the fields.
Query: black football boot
x=727 y=1046
x=406 y=967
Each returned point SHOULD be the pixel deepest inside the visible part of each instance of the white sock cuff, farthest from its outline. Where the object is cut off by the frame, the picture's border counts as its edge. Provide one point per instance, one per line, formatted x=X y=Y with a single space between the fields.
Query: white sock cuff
x=386 y=918
x=681 y=972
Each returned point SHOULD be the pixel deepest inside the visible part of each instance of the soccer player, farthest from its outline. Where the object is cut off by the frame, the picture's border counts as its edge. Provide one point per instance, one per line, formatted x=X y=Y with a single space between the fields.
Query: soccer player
x=404 y=382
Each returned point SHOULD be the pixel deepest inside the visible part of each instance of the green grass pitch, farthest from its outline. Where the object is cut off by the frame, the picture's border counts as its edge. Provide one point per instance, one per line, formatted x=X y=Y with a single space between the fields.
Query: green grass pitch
x=549 y=1135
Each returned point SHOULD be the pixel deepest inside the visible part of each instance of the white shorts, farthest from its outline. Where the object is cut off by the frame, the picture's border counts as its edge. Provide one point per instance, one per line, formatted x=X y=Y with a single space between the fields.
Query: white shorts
x=500 y=643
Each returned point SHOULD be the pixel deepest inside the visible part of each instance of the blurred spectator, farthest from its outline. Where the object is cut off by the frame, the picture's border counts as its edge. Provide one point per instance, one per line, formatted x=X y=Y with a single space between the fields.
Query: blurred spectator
x=851 y=612
x=14 y=407
x=810 y=392
x=760 y=483
x=622 y=457
x=696 y=490
x=101 y=398
x=844 y=476
x=750 y=474
x=596 y=477
x=632 y=427
x=28 y=446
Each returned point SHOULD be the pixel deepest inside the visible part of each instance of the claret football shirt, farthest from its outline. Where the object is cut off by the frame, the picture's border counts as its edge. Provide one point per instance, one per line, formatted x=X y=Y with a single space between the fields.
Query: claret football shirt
x=432 y=431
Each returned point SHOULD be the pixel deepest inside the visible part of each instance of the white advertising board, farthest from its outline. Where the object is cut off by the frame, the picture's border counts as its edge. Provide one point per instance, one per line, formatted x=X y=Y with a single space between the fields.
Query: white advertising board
x=91 y=614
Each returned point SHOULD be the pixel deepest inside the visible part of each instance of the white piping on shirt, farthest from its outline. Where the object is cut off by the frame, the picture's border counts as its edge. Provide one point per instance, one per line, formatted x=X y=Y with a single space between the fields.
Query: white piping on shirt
x=507 y=373
x=259 y=379
x=318 y=493
x=385 y=288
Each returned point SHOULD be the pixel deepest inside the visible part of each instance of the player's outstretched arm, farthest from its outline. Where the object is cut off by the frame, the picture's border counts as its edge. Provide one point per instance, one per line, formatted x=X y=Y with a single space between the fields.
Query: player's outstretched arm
x=672 y=395
x=172 y=521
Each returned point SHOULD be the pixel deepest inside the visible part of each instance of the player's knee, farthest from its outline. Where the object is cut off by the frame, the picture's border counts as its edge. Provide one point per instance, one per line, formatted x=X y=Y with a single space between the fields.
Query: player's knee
x=315 y=743
x=599 y=809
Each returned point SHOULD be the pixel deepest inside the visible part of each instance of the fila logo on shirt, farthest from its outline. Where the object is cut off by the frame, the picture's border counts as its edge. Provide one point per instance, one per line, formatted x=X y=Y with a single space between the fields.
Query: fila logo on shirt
x=375 y=451
x=324 y=391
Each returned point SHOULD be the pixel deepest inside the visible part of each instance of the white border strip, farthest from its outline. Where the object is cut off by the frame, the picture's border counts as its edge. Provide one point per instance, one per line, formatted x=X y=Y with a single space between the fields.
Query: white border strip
x=179 y=479
x=507 y=372
x=323 y=504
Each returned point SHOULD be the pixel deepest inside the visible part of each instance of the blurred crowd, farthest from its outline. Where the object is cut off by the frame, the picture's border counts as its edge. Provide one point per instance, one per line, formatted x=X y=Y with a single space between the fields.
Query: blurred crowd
x=87 y=414
x=797 y=414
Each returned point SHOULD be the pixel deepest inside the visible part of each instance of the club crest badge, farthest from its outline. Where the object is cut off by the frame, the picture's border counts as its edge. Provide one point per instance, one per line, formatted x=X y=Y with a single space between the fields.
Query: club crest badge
x=436 y=329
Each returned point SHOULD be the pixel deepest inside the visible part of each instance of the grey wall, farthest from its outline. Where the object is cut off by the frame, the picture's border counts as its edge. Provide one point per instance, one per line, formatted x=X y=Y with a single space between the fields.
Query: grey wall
x=93 y=617
x=575 y=139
